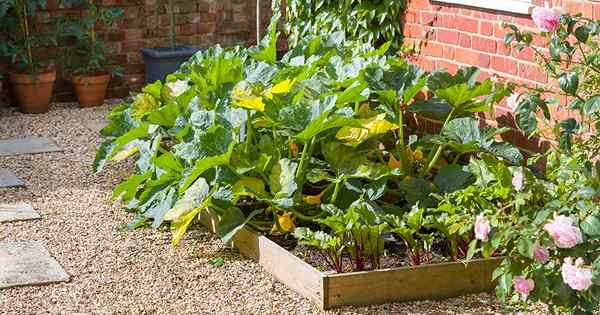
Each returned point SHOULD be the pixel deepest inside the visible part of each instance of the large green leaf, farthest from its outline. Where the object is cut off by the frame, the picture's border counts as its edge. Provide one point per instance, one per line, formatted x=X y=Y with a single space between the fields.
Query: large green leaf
x=232 y=221
x=451 y=178
x=204 y=164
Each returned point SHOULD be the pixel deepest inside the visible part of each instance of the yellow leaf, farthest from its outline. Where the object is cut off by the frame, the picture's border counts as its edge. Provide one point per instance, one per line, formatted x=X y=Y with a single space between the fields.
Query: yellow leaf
x=144 y=103
x=352 y=136
x=180 y=225
x=243 y=96
x=286 y=223
x=251 y=184
x=313 y=200
x=376 y=125
x=127 y=152
x=282 y=87
x=393 y=163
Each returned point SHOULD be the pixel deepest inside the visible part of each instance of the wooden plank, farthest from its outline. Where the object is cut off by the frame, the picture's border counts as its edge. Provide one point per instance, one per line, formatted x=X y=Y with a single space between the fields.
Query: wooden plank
x=427 y=282
x=285 y=267
x=291 y=271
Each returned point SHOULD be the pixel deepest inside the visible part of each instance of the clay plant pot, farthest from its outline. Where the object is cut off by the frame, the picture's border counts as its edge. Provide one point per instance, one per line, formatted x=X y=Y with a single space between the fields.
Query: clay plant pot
x=33 y=91
x=90 y=89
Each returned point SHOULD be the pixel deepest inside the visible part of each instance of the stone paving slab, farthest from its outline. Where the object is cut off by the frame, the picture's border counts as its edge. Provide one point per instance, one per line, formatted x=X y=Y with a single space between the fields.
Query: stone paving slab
x=17 y=212
x=29 y=145
x=9 y=179
x=28 y=263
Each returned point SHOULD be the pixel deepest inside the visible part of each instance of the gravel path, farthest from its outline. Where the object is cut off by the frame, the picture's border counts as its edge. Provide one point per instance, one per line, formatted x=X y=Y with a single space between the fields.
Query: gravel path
x=120 y=272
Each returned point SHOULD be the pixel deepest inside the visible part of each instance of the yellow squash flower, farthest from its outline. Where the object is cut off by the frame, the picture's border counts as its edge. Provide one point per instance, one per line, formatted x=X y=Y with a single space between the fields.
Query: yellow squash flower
x=286 y=223
x=393 y=163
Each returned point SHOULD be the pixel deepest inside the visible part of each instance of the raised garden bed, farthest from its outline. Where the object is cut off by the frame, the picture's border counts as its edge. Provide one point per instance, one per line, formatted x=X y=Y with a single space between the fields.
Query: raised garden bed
x=328 y=290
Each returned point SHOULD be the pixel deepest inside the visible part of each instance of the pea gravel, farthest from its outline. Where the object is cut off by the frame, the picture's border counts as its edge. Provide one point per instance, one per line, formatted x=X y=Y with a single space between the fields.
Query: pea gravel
x=122 y=272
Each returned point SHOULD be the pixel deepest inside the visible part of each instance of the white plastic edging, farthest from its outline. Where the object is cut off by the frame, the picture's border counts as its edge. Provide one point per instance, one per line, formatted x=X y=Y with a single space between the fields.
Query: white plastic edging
x=512 y=6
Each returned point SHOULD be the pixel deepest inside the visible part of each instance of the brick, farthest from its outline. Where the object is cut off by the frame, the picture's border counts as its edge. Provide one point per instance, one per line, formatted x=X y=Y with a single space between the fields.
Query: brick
x=446 y=36
x=464 y=40
x=466 y=24
x=503 y=64
x=486 y=28
x=483 y=44
x=433 y=49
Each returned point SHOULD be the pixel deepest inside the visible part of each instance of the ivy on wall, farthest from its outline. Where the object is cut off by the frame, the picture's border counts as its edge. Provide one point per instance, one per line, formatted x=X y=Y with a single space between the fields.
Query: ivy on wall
x=371 y=21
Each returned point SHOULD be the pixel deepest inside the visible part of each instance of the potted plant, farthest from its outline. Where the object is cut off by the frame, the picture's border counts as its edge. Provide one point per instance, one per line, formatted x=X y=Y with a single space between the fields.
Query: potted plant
x=86 y=61
x=31 y=76
x=161 y=61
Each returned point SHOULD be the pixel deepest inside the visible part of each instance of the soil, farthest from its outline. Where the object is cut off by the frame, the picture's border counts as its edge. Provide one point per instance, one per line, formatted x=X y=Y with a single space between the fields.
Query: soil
x=394 y=255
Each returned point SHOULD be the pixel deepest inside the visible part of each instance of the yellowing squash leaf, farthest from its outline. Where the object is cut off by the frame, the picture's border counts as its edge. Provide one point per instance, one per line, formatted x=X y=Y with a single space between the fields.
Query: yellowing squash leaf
x=286 y=223
x=180 y=225
x=125 y=153
x=353 y=136
x=144 y=103
x=378 y=125
x=282 y=87
x=253 y=185
x=243 y=96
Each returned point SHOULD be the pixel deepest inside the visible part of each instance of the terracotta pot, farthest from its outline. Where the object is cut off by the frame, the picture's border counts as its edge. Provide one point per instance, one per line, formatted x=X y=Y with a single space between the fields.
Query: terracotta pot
x=91 y=89
x=33 y=92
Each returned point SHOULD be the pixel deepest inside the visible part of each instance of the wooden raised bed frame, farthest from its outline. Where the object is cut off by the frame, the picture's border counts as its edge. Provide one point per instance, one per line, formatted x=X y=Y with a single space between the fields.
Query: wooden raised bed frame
x=328 y=290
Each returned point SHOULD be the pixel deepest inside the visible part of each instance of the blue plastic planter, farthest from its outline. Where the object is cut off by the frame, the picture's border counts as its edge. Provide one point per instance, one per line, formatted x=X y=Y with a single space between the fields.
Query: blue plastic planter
x=162 y=61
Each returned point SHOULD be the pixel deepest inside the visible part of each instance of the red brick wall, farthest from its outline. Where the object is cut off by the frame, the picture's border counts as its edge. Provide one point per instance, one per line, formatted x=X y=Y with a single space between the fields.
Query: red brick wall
x=145 y=24
x=452 y=36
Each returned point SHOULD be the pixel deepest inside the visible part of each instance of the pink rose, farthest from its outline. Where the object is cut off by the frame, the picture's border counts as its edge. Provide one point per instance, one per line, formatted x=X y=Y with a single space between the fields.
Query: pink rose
x=523 y=286
x=563 y=232
x=540 y=253
x=577 y=276
x=482 y=228
x=517 y=180
x=546 y=19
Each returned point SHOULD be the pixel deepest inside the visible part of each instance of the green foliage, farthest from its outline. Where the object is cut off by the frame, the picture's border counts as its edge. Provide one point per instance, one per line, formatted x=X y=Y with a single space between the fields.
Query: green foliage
x=270 y=144
x=88 y=55
x=368 y=21
x=518 y=214
x=23 y=36
x=574 y=66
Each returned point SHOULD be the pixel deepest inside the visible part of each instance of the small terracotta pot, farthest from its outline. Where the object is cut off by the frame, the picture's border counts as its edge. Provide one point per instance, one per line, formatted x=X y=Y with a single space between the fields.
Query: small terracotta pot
x=91 y=89
x=33 y=91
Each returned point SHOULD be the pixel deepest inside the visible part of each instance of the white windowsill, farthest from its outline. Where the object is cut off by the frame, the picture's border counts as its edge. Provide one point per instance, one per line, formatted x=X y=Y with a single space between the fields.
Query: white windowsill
x=512 y=6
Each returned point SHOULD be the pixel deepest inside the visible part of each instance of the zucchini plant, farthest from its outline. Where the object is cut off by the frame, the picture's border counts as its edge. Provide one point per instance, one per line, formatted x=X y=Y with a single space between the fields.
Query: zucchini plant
x=272 y=144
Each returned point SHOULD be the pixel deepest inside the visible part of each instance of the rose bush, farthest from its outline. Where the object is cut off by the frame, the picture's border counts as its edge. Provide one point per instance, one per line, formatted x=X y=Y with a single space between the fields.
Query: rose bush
x=545 y=217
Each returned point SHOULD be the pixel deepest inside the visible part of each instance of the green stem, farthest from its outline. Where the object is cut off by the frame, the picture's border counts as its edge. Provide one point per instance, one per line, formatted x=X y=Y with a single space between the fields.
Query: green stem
x=438 y=152
x=403 y=158
x=303 y=158
x=336 y=191
x=248 y=142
